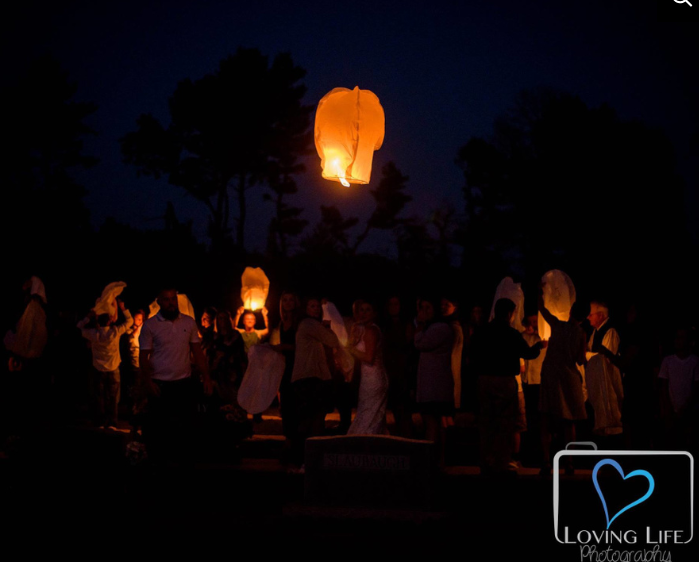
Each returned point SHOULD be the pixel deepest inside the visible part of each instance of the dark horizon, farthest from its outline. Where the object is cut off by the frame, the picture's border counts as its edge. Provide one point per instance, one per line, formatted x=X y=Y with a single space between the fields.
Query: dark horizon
x=443 y=74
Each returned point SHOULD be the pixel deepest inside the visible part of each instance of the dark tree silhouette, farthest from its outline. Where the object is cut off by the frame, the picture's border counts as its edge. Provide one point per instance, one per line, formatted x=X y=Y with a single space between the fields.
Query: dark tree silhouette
x=241 y=126
x=561 y=183
x=416 y=248
x=390 y=200
x=287 y=222
x=330 y=235
x=46 y=220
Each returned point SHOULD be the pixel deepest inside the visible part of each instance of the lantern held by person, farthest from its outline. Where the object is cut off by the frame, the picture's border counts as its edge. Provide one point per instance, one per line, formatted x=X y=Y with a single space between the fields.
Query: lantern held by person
x=559 y=298
x=349 y=127
x=508 y=289
x=255 y=287
x=183 y=304
x=106 y=303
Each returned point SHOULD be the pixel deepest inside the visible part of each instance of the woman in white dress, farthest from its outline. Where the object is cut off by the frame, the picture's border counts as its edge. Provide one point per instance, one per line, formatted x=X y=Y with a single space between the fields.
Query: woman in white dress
x=365 y=346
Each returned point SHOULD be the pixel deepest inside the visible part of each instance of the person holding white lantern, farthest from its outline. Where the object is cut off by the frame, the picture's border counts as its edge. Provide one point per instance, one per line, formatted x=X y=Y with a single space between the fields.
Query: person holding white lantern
x=562 y=391
x=251 y=336
x=498 y=349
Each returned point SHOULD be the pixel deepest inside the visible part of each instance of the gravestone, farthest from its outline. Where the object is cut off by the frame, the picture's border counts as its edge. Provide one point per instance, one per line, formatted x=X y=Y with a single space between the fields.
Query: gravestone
x=375 y=471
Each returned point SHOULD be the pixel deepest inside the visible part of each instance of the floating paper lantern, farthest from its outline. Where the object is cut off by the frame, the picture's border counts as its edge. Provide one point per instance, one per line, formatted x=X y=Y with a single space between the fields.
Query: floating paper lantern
x=508 y=289
x=255 y=287
x=559 y=297
x=349 y=128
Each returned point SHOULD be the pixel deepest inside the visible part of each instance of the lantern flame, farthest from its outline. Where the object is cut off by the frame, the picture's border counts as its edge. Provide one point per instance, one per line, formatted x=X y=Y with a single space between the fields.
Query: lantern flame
x=254 y=303
x=340 y=172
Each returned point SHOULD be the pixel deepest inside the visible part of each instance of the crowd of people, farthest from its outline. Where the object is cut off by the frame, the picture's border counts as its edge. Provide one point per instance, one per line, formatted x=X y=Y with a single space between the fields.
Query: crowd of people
x=426 y=364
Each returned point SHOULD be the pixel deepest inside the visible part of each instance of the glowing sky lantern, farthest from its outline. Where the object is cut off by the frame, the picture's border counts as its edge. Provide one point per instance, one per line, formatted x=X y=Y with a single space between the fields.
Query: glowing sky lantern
x=559 y=297
x=255 y=287
x=349 y=128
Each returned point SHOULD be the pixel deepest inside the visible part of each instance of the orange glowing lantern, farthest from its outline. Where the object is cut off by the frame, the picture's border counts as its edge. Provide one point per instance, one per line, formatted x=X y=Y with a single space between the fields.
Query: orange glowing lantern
x=255 y=287
x=349 y=128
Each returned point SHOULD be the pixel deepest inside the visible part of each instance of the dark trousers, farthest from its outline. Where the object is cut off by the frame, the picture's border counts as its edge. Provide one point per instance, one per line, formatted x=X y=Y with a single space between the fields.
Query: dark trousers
x=499 y=408
x=107 y=391
x=310 y=402
x=26 y=398
x=168 y=424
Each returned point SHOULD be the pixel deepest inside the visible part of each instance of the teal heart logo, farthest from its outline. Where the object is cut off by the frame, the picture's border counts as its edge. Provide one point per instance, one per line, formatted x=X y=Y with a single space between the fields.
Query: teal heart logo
x=645 y=473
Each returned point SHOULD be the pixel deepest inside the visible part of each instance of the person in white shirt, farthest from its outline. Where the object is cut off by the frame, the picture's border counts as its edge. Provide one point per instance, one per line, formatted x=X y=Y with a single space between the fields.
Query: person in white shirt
x=602 y=378
x=168 y=343
x=104 y=341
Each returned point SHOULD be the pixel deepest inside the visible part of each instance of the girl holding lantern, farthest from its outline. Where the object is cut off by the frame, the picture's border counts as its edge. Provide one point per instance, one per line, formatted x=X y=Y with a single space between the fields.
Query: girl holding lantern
x=251 y=336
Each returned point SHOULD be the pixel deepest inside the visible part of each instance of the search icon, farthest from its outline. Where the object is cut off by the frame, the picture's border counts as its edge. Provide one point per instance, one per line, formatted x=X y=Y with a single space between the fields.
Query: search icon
x=683 y=2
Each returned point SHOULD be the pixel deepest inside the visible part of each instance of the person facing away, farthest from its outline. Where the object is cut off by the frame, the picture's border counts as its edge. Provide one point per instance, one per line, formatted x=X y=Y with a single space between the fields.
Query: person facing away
x=497 y=351
x=562 y=391
x=395 y=354
x=106 y=359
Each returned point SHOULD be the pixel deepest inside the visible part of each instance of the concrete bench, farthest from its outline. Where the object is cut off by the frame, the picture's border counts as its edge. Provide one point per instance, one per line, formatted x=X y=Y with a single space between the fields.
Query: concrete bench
x=369 y=471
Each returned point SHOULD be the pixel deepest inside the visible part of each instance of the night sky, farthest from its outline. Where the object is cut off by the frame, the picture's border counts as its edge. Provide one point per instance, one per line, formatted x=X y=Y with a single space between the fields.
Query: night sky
x=442 y=70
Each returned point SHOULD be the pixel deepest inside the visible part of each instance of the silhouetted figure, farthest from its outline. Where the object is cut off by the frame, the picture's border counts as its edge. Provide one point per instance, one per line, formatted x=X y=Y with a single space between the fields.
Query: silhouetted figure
x=497 y=350
x=562 y=395
x=395 y=351
x=679 y=392
x=531 y=384
x=227 y=363
x=27 y=385
x=434 y=339
x=469 y=380
x=283 y=338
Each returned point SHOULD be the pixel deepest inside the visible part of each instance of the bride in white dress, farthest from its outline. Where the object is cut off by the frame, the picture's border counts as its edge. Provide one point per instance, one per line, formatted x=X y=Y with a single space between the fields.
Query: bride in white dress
x=365 y=346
